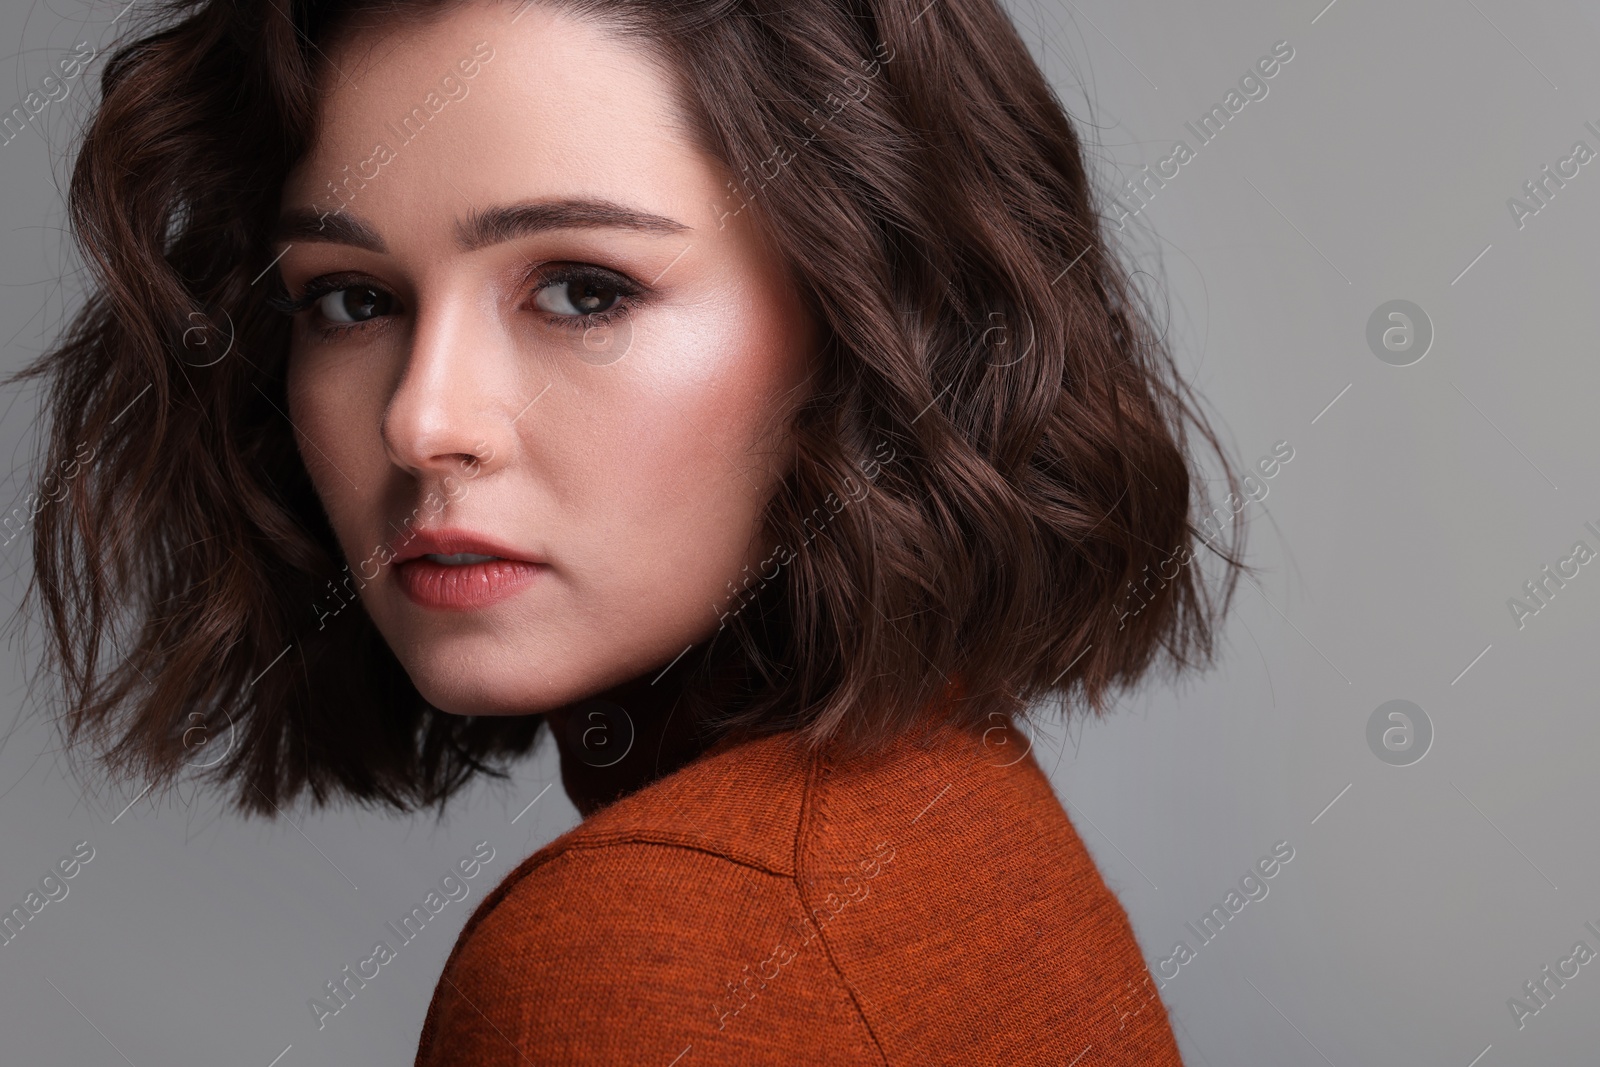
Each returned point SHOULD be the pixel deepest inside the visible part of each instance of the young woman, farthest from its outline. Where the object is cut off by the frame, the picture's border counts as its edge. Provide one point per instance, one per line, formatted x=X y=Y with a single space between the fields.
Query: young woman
x=743 y=389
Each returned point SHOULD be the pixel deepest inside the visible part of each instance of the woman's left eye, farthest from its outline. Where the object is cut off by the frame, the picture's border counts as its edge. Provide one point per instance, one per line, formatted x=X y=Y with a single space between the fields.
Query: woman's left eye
x=580 y=295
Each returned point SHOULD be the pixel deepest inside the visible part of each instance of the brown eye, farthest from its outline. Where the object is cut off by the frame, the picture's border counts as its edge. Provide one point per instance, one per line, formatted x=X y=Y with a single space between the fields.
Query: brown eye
x=356 y=304
x=578 y=296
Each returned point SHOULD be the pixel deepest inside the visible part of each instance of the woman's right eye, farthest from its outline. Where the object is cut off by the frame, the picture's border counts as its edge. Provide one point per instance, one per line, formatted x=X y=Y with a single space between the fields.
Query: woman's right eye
x=354 y=304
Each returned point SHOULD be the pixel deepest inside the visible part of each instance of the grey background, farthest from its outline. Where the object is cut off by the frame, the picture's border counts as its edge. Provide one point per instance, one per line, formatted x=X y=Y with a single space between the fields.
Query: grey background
x=1377 y=168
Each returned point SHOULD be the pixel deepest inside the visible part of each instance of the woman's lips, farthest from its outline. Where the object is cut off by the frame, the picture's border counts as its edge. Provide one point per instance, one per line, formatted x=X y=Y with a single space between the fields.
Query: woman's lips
x=463 y=586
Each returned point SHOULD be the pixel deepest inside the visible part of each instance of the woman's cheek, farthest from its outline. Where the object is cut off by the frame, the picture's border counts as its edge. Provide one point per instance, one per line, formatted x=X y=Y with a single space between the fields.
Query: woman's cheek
x=336 y=403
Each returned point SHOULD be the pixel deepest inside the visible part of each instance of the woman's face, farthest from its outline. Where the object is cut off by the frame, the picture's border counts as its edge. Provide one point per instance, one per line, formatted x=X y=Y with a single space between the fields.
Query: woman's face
x=542 y=382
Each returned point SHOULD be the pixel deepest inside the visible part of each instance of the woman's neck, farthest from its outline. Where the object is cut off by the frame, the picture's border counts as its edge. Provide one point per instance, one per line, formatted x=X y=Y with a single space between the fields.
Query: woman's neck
x=622 y=739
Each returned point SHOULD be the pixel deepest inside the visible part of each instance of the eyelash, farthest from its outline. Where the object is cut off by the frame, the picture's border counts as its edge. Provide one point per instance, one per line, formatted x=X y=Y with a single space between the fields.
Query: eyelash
x=628 y=292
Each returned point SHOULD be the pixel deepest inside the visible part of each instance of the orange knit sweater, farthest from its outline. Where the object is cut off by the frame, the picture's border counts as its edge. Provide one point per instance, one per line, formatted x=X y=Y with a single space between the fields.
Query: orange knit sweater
x=769 y=905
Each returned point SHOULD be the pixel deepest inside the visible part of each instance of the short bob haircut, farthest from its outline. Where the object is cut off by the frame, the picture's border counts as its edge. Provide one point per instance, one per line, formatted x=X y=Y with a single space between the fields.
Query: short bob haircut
x=991 y=385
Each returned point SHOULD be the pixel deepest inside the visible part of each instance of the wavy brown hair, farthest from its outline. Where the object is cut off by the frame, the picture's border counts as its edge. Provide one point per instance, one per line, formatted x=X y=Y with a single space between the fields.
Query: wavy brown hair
x=992 y=387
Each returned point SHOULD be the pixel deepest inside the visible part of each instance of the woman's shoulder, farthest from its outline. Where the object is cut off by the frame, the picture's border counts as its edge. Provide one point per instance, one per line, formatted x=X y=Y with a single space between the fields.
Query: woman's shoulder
x=770 y=900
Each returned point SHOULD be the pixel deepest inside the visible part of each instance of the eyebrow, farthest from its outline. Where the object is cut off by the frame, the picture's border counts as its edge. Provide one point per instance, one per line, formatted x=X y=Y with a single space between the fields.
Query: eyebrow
x=481 y=228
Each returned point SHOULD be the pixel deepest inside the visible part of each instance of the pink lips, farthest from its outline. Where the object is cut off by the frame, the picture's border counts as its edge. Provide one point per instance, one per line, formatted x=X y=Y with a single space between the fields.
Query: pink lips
x=460 y=586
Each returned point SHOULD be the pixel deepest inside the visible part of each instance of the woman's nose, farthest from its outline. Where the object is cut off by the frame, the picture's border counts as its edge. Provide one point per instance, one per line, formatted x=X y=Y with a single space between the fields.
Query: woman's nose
x=454 y=402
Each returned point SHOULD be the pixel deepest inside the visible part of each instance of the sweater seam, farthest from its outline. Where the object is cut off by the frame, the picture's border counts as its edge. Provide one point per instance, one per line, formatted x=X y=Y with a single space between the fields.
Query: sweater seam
x=506 y=887
x=663 y=842
x=815 y=790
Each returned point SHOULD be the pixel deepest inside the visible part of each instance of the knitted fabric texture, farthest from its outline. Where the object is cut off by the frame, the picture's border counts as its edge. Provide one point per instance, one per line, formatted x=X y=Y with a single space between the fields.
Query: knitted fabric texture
x=766 y=904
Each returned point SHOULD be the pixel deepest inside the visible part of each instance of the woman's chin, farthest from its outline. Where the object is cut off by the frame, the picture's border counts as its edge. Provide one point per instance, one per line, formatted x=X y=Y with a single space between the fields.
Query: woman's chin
x=471 y=692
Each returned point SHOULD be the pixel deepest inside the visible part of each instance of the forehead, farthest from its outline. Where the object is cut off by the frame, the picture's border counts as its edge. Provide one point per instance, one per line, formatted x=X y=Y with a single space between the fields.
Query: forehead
x=513 y=100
